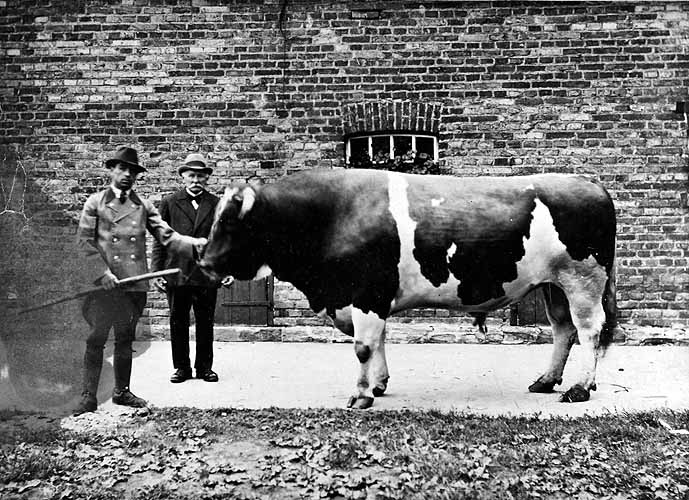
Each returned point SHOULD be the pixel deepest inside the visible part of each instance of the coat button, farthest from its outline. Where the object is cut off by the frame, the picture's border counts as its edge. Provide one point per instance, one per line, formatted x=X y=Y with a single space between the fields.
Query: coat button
x=115 y=240
x=132 y=238
x=132 y=256
x=133 y=223
x=116 y=257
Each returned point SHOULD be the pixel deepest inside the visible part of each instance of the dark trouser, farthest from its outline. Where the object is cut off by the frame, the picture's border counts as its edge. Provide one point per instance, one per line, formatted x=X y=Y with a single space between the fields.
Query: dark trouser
x=202 y=300
x=120 y=311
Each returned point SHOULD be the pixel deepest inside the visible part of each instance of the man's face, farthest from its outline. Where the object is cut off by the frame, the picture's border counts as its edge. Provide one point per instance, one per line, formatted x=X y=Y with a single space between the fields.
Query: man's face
x=122 y=176
x=195 y=181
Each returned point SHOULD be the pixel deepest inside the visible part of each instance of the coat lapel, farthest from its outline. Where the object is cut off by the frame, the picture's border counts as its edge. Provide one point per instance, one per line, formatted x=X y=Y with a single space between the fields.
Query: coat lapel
x=184 y=205
x=122 y=210
x=205 y=208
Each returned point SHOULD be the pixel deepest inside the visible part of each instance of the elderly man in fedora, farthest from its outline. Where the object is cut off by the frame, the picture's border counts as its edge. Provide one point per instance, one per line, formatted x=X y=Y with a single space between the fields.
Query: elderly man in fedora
x=189 y=211
x=112 y=237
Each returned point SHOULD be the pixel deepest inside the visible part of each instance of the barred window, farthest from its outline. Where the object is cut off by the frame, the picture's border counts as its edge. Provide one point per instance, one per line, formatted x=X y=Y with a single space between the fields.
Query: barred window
x=379 y=150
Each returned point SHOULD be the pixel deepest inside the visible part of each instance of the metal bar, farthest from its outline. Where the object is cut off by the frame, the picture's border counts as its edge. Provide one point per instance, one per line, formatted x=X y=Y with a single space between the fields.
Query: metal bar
x=247 y=303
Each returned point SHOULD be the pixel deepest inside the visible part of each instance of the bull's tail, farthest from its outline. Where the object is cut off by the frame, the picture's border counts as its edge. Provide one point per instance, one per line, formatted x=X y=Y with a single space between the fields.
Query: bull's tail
x=610 y=308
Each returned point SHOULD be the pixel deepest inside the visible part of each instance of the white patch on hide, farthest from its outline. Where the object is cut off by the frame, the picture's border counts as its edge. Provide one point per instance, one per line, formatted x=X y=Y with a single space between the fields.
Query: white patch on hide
x=451 y=252
x=360 y=316
x=435 y=202
x=263 y=272
x=414 y=289
x=546 y=258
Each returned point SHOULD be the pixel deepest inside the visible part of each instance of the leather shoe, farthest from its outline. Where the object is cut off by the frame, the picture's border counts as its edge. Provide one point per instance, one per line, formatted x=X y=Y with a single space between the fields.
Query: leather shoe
x=207 y=375
x=125 y=397
x=180 y=375
x=87 y=404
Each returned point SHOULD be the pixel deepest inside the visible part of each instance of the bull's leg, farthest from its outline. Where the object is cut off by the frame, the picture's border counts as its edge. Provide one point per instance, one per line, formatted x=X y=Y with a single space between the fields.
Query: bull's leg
x=588 y=316
x=380 y=369
x=564 y=335
x=369 y=336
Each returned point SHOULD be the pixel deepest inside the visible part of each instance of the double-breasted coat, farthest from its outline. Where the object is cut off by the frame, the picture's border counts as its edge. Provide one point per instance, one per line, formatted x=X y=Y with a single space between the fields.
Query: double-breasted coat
x=113 y=234
x=178 y=211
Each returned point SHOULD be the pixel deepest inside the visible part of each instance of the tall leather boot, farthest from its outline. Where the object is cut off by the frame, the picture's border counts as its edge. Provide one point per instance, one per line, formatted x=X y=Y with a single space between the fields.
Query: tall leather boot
x=93 y=363
x=122 y=365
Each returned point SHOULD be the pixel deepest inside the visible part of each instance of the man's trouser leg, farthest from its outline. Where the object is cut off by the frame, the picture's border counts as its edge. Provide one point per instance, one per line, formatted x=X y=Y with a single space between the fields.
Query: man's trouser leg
x=179 y=300
x=204 y=299
x=97 y=313
x=130 y=305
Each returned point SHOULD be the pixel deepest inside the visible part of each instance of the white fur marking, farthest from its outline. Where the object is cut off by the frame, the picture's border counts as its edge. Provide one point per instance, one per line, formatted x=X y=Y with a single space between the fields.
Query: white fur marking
x=263 y=272
x=435 y=202
x=546 y=257
x=541 y=249
x=414 y=288
x=451 y=252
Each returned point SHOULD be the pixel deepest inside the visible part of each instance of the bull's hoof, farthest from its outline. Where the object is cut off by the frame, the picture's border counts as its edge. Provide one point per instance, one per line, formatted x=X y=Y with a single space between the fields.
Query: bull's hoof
x=360 y=402
x=542 y=387
x=575 y=394
x=379 y=390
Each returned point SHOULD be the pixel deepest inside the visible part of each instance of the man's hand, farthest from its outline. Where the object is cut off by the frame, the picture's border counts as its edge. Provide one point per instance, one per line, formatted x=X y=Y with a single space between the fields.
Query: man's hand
x=227 y=281
x=160 y=284
x=109 y=280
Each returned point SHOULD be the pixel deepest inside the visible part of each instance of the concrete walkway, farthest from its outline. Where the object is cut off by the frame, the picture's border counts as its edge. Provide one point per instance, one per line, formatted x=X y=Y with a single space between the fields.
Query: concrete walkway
x=486 y=379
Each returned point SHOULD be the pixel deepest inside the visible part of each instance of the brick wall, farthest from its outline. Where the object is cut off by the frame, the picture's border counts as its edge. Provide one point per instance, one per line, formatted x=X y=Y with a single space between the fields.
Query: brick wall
x=267 y=88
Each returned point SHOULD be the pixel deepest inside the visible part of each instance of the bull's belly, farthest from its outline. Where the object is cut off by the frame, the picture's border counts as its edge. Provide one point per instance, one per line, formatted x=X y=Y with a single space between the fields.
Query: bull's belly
x=446 y=296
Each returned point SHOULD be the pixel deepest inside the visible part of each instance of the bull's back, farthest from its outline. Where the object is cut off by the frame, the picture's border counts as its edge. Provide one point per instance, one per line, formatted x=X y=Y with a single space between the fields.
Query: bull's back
x=467 y=236
x=441 y=241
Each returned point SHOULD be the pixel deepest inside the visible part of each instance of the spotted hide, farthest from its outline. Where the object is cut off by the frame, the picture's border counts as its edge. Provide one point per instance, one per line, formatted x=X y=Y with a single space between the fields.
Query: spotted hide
x=363 y=244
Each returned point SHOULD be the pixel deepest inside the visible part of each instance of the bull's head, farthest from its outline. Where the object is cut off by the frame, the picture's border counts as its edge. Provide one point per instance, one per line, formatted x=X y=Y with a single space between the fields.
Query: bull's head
x=234 y=247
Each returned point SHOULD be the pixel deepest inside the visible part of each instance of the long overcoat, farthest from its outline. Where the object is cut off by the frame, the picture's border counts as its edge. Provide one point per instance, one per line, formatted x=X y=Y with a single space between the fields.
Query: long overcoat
x=112 y=235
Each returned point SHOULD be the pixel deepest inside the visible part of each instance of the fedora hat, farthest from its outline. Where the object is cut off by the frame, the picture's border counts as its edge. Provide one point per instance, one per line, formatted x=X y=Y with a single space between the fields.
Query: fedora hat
x=125 y=155
x=195 y=162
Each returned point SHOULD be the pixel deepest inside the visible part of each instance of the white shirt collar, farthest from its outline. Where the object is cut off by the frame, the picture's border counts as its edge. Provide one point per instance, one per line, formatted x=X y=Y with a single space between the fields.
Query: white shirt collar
x=117 y=191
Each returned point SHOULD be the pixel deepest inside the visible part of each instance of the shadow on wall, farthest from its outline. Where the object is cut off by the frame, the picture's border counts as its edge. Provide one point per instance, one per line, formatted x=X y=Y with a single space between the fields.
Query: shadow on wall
x=41 y=352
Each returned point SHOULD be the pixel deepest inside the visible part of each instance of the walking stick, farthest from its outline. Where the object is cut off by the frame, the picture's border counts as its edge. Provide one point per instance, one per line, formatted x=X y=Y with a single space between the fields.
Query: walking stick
x=122 y=282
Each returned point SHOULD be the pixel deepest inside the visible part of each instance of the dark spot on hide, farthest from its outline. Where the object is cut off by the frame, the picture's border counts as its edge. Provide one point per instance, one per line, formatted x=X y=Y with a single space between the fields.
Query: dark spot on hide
x=486 y=225
x=363 y=352
x=584 y=217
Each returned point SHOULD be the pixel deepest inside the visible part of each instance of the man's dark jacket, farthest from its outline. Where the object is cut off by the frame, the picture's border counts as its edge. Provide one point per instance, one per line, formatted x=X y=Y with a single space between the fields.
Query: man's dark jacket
x=177 y=210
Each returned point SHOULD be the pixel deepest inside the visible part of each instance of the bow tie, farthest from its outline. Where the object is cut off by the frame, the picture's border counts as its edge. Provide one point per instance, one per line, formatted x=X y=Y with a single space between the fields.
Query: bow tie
x=194 y=201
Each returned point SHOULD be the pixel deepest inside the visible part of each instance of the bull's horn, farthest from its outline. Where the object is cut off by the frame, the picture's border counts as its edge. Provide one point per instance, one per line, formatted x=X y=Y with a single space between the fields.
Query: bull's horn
x=249 y=197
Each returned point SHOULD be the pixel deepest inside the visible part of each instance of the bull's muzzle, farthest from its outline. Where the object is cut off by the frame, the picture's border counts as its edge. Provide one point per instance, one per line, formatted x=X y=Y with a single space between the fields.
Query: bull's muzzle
x=208 y=269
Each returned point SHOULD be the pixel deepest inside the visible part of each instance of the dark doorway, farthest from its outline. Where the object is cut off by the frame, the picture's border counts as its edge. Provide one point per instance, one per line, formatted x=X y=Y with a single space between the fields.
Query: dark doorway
x=530 y=310
x=246 y=303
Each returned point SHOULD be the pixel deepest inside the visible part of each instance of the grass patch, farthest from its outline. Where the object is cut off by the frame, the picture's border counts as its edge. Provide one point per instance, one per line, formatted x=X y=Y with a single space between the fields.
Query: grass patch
x=282 y=453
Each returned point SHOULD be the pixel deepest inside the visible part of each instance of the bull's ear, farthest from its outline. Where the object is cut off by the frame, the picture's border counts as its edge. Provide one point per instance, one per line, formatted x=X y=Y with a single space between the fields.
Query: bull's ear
x=248 y=197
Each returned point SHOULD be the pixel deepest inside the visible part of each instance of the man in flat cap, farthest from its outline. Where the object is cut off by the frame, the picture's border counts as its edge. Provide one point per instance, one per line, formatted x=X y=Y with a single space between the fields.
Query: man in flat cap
x=112 y=238
x=189 y=211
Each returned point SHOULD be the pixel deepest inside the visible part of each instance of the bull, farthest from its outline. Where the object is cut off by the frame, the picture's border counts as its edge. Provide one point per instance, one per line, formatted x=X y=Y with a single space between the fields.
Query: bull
x=365 y=244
